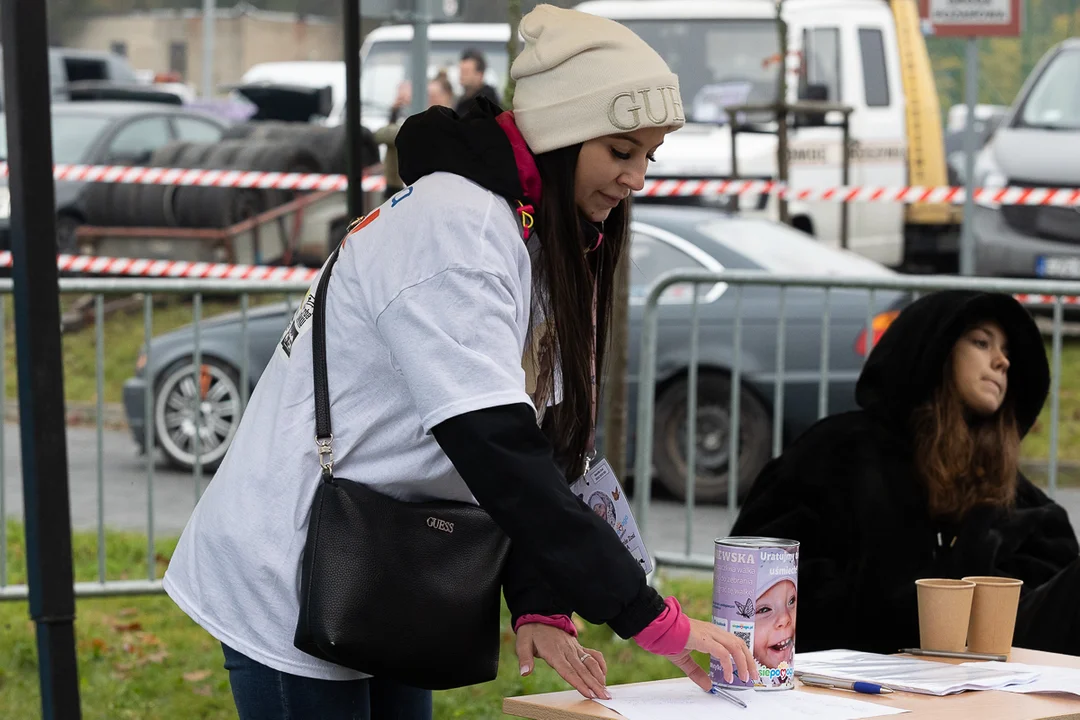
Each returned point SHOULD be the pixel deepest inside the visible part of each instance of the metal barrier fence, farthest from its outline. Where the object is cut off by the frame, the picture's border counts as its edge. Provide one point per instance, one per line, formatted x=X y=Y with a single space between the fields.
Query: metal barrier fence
x=1053 y=294
x=197 y=289
x=737 y=282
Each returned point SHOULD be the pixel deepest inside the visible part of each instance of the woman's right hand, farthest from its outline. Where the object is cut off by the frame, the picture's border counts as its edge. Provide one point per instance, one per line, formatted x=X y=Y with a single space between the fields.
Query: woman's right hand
x=708 y=638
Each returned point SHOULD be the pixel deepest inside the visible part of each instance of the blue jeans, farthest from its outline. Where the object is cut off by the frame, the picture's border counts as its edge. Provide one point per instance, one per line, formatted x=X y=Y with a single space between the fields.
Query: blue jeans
x=261 y=693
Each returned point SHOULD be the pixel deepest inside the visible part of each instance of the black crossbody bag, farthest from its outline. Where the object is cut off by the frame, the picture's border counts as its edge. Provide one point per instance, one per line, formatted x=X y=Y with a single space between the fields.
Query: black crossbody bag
x=405 y=591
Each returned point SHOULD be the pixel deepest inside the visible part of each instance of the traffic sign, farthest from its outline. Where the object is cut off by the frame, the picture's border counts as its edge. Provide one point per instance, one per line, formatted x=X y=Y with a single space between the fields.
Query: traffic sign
x=973 y=18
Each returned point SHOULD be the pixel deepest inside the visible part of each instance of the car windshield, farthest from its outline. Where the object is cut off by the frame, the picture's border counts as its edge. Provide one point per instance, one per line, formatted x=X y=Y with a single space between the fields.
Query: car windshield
x=387 y=64
x=719 y=62
x=783 y=250
x=1054 y=100
x=72 y=135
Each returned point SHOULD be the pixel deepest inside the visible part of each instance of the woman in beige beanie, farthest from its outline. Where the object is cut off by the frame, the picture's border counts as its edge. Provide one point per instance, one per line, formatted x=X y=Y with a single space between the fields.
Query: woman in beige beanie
x=465 y=322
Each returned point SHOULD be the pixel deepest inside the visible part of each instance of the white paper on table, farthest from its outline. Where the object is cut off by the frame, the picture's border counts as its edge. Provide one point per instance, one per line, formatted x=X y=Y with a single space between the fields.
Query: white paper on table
x=910 y=674
x=1050 y=679
x=683 y=700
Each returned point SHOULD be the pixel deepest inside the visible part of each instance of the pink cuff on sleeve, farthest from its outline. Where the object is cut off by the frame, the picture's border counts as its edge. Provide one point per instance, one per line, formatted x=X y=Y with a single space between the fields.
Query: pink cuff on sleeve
x=668 y=633
x=562 y=622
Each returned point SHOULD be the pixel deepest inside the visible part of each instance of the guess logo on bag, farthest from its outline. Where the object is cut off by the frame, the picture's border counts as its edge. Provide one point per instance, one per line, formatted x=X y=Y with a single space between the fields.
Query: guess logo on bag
x=437 y=524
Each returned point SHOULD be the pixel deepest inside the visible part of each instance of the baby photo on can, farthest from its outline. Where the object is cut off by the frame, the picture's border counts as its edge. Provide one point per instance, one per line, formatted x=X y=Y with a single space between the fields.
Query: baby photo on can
x=755 y=597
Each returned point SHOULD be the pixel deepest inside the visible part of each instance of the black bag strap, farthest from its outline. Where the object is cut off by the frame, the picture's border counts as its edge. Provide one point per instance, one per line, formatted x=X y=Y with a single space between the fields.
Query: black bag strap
x=324 y=436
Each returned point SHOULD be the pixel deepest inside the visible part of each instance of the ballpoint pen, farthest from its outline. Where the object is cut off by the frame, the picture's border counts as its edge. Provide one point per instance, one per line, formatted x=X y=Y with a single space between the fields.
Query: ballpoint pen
x=865 y=688
x=729 y=696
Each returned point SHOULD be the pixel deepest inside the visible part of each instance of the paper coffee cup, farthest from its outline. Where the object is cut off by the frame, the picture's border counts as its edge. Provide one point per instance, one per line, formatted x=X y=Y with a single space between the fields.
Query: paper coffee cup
x=944 y=613
x=993 y=614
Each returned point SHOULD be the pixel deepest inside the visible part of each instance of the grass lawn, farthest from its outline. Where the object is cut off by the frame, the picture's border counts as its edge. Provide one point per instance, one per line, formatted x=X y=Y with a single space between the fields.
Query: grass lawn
x=1037 y=443
x=140 y=657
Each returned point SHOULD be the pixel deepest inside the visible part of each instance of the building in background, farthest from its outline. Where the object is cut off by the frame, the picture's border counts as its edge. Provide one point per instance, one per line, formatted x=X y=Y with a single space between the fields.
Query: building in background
x=170 y=41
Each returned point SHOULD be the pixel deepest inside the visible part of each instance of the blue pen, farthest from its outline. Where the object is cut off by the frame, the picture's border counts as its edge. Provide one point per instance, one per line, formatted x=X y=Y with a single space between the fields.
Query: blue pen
x=716 y=690
x=865 y=688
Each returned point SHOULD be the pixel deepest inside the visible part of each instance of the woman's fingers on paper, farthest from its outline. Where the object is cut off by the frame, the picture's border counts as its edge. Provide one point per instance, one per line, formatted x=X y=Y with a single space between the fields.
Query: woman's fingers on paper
x=567 y=672
x=708 y=638
x=693 y=671
x=589 y=669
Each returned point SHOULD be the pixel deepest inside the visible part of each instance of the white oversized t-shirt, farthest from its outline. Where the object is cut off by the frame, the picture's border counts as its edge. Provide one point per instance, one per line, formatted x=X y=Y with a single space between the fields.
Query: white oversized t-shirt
x=428 y=311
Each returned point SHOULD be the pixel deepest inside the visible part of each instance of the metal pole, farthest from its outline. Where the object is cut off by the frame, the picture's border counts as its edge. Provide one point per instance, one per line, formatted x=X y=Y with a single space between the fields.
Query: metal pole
x=38 y=352
x=208 y=17
x=421 y=20
x=355 y=194
x=845 y=177
x=971 y=95
x=732 y=201
x=782 y=144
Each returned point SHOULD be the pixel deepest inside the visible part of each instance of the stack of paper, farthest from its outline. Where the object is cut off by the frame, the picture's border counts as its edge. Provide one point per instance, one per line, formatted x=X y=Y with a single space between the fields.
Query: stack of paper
x=1050 y=679
x=683 y=700
x=911 y=675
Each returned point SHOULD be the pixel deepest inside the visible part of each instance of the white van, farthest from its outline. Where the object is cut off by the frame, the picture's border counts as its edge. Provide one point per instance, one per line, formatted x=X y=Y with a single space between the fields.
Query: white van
x=386 y=57
x=726 y=52
x=866 y=54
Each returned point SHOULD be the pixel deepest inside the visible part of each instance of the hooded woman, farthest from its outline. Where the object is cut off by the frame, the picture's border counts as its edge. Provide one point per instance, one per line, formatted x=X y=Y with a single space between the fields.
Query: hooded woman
x=504 y=240
x=923 y=481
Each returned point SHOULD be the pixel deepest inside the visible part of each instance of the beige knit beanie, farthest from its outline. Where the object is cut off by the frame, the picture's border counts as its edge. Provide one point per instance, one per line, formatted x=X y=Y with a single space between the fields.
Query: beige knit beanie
x=581 y=76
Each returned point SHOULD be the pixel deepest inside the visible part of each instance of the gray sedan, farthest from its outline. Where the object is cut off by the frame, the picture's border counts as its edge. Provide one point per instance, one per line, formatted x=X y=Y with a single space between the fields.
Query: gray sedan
x=664 y=238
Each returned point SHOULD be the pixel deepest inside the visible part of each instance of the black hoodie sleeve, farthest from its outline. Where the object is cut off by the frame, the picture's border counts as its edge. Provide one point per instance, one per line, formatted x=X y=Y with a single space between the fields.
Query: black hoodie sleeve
x=507 y=463
x=1033 y=540
x=526 y=591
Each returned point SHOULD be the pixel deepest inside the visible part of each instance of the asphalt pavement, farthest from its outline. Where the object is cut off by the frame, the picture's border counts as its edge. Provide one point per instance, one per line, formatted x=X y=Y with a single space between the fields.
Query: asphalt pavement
x=124 y=487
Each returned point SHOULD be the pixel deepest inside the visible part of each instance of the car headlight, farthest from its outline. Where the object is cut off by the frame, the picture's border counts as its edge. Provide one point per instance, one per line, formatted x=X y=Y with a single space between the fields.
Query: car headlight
x=5 y=202
x=989 y=176
x=140 y=361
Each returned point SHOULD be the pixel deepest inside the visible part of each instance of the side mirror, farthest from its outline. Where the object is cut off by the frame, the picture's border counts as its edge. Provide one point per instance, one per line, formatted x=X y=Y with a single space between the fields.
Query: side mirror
x=992 y=124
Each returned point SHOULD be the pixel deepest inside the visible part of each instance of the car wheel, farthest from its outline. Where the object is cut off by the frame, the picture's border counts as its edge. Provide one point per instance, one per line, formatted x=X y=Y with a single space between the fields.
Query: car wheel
x=179 y=400
x=713 y=437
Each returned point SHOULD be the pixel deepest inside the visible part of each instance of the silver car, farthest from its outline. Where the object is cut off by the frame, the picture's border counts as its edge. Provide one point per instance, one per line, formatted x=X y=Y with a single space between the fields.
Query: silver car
x=1037 y=145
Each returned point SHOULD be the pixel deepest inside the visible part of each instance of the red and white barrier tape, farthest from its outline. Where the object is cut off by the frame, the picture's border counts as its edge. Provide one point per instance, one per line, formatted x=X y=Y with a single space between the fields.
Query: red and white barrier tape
x=1064 y=197
x=1027 y=299
x=201 y=177
x=146 y=268
x=135 y=267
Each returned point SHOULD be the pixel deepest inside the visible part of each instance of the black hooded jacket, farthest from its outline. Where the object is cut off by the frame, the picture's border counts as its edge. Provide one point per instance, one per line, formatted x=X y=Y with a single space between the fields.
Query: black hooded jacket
x=848 y=491
x=564 y=558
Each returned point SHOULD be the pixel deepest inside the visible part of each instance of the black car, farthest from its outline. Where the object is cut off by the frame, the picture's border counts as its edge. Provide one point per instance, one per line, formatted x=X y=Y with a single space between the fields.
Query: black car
x=106 y=133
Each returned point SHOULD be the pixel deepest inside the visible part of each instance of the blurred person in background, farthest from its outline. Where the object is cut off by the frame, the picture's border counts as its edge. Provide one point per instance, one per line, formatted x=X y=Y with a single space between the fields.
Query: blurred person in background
x=440 y=93
x=471 y=70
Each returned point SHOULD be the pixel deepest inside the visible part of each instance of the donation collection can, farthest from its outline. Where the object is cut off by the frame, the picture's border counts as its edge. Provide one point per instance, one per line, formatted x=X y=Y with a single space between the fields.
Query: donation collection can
x=755 y=595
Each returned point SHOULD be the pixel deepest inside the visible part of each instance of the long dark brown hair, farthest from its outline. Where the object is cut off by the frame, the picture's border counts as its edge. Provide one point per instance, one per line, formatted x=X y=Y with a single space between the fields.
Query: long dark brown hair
x=563 y=278
x=965 y=461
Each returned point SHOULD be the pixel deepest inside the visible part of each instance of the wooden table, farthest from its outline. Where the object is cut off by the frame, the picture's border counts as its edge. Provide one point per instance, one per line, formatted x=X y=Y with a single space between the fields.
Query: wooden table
x=984 y=705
